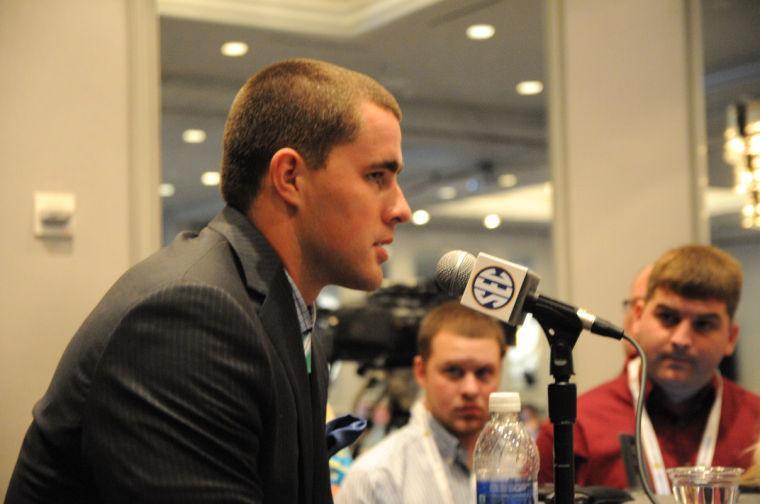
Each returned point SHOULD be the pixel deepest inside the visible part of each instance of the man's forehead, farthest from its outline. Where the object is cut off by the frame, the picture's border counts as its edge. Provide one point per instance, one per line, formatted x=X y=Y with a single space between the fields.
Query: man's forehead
x=451 y=345
x=690 y=306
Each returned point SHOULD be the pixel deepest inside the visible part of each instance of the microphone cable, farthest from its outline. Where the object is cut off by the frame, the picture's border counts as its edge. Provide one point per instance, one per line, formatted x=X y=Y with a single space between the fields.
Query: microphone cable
x=643 y=473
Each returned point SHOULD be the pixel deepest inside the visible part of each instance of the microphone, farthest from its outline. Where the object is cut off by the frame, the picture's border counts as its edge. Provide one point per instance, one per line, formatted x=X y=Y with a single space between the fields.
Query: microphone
x=507 y=291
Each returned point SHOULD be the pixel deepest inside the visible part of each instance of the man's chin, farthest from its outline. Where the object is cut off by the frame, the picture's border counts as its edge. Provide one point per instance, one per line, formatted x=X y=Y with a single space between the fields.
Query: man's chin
x=364 y=282
x=467 y=426
x=678 y=390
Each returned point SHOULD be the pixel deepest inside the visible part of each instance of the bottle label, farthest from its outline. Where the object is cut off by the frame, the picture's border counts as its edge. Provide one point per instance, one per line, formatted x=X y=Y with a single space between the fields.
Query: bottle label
x=511 y=491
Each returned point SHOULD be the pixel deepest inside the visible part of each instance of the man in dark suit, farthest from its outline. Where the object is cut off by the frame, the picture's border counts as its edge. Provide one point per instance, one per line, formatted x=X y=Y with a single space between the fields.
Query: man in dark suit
x=196 y=378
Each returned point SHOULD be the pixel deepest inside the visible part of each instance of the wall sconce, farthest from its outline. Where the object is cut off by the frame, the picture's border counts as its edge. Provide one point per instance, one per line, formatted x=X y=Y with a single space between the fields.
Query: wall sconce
x=742 y=151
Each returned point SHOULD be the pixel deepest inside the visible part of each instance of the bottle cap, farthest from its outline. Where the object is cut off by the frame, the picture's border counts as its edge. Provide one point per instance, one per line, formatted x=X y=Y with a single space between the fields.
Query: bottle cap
x=504 y=402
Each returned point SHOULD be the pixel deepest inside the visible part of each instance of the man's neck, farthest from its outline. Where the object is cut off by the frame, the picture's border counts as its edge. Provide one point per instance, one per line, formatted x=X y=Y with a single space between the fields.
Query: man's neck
x=465 y=442
x=279 y=233
x=682 y=404
x=468 y=443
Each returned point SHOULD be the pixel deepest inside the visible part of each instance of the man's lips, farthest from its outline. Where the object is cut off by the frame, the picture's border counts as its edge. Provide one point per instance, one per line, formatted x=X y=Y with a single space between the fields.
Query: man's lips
x=470 y=411
x=379 y=246
x=676 y=360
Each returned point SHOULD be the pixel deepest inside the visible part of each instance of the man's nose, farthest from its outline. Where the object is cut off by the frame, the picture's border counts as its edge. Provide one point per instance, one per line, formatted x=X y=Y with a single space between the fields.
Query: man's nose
x=682 y=334
x=399 y=211
x=470 y=384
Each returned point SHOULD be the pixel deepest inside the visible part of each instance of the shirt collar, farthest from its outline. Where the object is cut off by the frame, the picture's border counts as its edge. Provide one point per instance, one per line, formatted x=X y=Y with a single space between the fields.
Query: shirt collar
x=306 y=313
x=450 y=447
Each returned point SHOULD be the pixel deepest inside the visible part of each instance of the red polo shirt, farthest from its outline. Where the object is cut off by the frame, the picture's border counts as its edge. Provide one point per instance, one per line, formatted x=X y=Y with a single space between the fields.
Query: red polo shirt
x=607 y=411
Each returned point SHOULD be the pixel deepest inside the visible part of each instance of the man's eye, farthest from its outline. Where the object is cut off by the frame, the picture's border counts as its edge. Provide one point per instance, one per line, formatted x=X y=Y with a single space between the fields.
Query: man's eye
x=704 y=325
x=454 y=372
x=377 y=176
x=484 y=374
x=668 y=318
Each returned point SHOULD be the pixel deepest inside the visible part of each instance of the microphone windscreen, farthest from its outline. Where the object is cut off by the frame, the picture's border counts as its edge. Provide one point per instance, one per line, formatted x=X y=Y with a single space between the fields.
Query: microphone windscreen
x=453 y=271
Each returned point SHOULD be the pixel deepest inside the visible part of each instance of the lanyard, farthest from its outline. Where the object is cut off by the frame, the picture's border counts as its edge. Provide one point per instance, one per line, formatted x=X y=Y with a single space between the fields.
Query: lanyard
x=649 y=439
x=421 y=418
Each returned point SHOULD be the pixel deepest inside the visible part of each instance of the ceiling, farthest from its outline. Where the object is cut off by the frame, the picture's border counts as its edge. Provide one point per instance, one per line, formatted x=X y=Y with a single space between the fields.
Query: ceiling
x=463 y=118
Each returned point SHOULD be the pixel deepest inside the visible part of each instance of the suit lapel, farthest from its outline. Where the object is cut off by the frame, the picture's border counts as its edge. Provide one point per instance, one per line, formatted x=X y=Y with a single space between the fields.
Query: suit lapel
x=278 y=315
x=265 y=278
x=319 y=379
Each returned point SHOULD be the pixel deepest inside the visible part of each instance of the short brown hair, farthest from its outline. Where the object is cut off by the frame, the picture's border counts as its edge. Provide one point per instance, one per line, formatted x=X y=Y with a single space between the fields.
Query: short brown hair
x=308 y=105
x=698 y=272
x=458 y=319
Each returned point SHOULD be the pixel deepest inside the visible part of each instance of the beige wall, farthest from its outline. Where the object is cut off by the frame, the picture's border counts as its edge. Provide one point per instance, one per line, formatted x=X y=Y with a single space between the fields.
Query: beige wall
x=627 y=143
x=79 y=101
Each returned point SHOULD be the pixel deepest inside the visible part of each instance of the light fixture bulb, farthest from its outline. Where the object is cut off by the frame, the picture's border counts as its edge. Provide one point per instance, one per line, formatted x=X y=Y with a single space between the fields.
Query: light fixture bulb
x=491 y=221
x=166 y=190
x=210 y=178
x=193 y=136
x=528 y=88
x=420 y=217
x=754 y=145
x=234 y=49
x=480 y=31
x=507 y=180
x=447 y=193
x=736 y=146
x=746 y=178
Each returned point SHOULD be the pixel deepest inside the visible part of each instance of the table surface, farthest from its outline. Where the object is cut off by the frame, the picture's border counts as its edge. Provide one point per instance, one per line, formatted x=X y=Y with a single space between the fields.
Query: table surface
x=641 y=498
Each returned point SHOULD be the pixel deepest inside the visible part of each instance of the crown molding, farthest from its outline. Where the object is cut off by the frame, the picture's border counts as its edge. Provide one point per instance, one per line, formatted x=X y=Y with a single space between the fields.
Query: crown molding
x=329 y=18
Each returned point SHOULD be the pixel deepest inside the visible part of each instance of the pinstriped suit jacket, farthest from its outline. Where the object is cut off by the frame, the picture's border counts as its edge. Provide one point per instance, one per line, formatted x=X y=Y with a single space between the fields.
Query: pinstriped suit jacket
x=187 y=383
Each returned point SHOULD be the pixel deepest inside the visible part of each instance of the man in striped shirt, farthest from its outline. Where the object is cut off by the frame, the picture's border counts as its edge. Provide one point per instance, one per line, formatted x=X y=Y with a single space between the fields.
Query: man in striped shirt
x=430 y=459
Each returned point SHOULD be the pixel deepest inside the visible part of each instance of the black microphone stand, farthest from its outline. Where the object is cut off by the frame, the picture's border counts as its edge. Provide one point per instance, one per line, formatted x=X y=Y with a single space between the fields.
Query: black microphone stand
x=562 y=328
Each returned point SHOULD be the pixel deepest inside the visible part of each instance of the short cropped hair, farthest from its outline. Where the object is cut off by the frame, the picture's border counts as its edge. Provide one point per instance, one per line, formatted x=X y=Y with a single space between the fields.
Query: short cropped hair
x=698 y=272
x=453 y=317
x=308 y=105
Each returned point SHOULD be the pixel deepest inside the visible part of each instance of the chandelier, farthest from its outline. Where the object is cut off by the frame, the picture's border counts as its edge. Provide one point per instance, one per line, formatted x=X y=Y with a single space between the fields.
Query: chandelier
x=742 y=151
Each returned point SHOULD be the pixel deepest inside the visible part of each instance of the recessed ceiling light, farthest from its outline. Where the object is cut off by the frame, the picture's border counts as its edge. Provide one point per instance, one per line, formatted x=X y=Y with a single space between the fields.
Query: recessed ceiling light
x=210 y=178
x=529 y=87
x=480 y=31
x=507 y=180
x=166 y=190
x=472 y=184
x=447 y=193
x=194 y=136
x=492 y=221
x=234 y=49
x=420 y=217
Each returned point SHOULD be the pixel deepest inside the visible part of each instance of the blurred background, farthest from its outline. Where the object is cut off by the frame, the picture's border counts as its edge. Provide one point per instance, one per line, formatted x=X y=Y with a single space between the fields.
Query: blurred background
x=471 y=78
x=581 y=138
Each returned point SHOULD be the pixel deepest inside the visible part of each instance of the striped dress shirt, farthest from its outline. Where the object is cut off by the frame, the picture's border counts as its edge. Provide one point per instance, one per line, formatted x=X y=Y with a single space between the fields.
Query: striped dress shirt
x=307 y=316
x=399 y=470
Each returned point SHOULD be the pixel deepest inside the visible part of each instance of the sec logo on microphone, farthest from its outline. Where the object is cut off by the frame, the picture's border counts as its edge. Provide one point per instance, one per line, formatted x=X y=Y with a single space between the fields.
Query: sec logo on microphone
x=493 y=287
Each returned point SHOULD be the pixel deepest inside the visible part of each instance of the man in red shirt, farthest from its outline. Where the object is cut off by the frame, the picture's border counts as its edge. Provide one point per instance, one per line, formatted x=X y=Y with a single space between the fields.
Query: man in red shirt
x=693 y=416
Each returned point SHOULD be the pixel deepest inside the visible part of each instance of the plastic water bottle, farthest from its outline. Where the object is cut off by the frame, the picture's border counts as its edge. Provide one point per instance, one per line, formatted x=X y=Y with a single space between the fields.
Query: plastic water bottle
x=506 y=457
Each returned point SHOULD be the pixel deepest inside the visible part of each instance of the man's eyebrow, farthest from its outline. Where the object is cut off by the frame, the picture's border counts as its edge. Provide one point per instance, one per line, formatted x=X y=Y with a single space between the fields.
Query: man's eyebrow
x=701 y=316
x=392 y=166
x=665 y=307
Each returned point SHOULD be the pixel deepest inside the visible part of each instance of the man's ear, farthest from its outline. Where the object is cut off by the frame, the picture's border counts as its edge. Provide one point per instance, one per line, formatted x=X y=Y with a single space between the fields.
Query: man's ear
x=733 y=337
x=285 y=168
x=638 y=311
x=418 y=366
